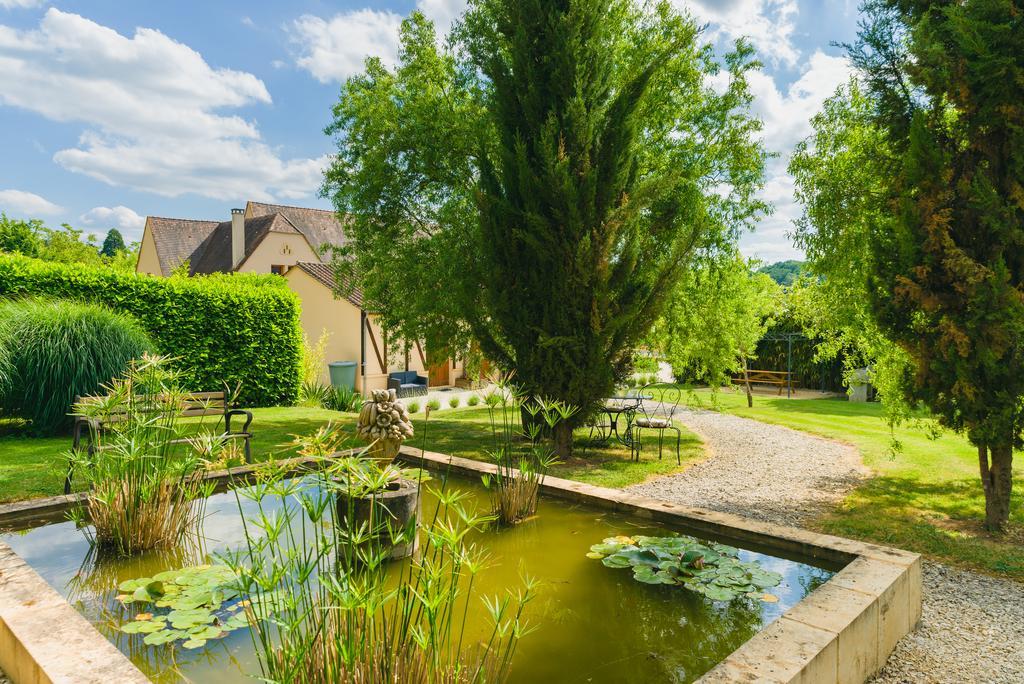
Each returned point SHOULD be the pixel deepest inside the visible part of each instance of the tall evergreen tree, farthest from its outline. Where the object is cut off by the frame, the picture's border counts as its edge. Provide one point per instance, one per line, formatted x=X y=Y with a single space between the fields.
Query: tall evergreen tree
x=113 y=243
x=947 y=79
x=539 y=188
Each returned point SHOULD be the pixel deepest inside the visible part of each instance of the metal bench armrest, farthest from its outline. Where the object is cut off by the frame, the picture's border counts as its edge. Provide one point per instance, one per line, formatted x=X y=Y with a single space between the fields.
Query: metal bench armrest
x=237 y=412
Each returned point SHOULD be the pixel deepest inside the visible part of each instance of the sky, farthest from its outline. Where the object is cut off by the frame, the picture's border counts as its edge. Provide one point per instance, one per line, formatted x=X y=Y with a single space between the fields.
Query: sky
x=111 y=111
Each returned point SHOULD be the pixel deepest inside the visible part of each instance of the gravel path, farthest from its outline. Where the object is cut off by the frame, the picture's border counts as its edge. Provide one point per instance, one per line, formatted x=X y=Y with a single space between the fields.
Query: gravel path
x=758 y=470
x=972 y=625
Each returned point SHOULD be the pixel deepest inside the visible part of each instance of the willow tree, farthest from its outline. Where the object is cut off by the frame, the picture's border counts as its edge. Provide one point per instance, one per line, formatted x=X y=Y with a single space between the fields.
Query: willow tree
x=947 y=281
x=538 y=186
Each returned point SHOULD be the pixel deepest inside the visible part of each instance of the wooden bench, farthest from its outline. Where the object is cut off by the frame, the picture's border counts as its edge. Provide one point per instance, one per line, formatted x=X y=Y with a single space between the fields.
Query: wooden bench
x=88 y=430
x=767 y=377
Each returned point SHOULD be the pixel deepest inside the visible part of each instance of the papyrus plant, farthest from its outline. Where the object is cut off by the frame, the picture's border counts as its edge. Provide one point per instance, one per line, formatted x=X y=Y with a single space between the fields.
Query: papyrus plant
x=145 y=476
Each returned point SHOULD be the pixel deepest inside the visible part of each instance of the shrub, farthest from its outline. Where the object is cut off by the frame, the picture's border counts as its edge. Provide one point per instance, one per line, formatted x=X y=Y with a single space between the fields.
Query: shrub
x=315 y=394
x=473 y=400
x=222 y=329
x=343 y=399
x=413 y=407
x=433 y=404
x=56 y=350
x=454 y=402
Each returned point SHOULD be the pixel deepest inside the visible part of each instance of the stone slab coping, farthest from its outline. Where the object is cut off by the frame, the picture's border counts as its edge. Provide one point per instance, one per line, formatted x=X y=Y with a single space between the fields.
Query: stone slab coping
x=842 y=632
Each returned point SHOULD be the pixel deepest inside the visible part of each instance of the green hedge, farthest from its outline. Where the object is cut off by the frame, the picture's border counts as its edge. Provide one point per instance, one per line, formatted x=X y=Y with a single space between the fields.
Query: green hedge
x=221 y=328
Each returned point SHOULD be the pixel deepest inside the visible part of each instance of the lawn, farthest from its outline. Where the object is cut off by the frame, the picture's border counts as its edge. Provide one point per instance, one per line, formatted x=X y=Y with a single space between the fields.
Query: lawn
x=925 y=497
x=34 y=467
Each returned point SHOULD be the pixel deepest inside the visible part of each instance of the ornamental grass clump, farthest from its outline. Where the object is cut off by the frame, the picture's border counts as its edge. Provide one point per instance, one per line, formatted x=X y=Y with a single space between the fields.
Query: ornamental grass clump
x=520 y=430
x=146 y=486
x=326 y=606
x=52 y=351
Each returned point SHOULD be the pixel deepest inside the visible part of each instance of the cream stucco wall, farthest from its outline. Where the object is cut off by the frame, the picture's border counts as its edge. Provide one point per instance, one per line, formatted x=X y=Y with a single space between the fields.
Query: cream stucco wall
x=148 y=261
x=285 y=249
x=342 y=320
x=320 y=312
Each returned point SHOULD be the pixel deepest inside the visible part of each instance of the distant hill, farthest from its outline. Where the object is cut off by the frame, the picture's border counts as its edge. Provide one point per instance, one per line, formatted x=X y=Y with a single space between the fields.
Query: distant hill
x=783 y=272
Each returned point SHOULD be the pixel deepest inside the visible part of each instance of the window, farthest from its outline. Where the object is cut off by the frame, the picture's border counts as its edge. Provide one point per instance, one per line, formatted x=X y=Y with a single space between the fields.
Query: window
x=277 y=269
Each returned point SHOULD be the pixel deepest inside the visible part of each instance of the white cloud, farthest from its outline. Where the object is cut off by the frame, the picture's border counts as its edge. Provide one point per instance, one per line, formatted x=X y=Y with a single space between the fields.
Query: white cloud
x=20 y=4
x=27 y=204
x=769 y=24
x=787 y=116
x=153 y=107
x=248 y=22
x=335 y=49
x=120 y=217
x=787 y=120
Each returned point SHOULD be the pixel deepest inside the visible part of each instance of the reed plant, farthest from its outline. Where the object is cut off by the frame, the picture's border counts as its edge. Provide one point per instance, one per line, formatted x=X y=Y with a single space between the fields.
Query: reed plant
x=522 y=452
x=326 y=606
x=145 y=476
x=55 y=350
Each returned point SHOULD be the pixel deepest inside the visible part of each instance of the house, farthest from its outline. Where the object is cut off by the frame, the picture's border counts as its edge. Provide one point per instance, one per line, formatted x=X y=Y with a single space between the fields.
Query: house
x=290 y=242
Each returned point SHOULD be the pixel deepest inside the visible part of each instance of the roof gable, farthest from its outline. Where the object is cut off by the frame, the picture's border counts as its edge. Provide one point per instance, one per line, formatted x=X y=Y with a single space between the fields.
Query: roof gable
x=176 y=240
x=324 y=274
x=319 y=226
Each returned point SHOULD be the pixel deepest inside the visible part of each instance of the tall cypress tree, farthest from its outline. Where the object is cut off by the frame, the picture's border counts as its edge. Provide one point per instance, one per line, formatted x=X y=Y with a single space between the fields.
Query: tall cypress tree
x=948 y=82
x=536 y=183
x=581 y=248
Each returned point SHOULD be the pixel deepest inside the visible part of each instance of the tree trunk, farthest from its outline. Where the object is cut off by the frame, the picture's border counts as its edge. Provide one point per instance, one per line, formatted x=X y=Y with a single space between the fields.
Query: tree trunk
x=996 y=465
x=563 y=440
x=746 y=384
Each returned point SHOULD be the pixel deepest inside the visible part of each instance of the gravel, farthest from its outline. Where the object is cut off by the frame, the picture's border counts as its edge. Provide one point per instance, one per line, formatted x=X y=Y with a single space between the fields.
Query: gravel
x=757 y=470
x=972 y=630
x=972 y=625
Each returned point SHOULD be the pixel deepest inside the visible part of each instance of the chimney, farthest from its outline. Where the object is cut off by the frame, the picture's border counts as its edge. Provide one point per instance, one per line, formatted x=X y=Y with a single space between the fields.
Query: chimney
x=237 y=237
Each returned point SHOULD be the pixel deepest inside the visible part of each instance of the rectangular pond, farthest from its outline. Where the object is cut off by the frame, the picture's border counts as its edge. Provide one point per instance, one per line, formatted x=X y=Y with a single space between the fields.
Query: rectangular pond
x=592 y=623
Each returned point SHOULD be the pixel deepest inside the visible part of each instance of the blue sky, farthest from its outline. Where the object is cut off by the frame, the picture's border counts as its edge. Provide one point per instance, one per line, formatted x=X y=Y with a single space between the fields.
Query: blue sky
x=111 y=111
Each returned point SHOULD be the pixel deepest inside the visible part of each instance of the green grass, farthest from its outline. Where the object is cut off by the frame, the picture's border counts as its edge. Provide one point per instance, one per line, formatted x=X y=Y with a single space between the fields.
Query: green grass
x=35 y=467
x=926 y=497
x=467 y=433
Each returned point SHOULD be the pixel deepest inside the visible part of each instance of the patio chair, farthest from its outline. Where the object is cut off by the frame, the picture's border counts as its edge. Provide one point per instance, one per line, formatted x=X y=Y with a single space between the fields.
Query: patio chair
x=659 y=405
x=407 y=384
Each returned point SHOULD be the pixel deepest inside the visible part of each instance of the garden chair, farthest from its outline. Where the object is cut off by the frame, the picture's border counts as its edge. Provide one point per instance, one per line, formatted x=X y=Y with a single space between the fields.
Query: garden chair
x=659 y=405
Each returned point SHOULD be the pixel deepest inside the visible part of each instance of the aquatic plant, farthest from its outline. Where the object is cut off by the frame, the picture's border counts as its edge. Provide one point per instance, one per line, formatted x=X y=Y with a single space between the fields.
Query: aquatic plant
x=523 y=457
x=709 y=569
x=192 y=605
x=146 y=486
x=338 y=614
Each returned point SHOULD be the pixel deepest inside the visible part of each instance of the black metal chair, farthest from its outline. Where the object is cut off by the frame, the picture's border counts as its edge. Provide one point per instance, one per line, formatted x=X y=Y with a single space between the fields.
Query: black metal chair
x=659 y=406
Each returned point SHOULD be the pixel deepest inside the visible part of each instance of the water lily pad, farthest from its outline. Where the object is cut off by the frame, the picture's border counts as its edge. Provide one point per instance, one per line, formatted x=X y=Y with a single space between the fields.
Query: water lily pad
x=712 y=570
x=194 y=643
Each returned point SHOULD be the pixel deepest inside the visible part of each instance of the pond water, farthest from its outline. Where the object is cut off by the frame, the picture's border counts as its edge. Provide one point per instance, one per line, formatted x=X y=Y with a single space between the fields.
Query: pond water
x=593 y=623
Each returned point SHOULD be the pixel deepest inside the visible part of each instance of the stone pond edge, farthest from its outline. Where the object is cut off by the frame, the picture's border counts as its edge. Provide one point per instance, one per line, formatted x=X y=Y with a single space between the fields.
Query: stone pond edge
x=844 y=631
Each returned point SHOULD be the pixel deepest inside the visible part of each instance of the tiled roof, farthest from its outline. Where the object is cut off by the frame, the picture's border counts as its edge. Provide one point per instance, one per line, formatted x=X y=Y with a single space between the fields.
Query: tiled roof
x=326 y=276
x=320 y=226
x=177 y=239
x=214 y=254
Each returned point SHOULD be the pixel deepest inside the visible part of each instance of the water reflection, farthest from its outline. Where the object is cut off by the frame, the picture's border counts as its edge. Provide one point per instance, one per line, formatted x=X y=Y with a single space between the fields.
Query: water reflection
x=595 y=624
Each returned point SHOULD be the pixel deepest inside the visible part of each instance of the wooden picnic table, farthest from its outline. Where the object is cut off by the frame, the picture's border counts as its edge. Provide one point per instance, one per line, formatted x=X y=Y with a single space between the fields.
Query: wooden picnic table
x=783 y=379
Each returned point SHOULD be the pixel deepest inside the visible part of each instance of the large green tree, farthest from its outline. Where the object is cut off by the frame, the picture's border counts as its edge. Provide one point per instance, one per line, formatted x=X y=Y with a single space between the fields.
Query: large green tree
x=717 y=313
x=113 y=244
x=946 y=81
x=841 y=173
x=539 y=186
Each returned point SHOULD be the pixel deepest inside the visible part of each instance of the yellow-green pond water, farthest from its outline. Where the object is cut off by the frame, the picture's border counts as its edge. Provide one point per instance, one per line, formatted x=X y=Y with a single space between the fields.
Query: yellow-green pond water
x=593 y=623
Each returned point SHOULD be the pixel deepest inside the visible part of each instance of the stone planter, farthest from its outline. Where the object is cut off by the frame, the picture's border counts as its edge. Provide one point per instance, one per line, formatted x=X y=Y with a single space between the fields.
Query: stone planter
x=397 y=508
